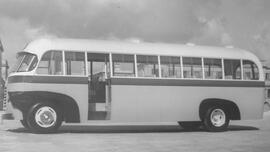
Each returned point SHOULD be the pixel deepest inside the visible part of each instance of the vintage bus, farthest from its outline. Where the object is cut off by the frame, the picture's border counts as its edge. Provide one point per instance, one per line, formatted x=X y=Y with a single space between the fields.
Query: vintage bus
x=90 y=81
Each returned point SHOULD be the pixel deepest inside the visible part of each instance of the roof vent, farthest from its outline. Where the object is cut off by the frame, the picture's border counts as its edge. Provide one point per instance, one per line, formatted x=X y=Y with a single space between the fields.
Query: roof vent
x=229 y=47
x=190 y=44
x=134 y=40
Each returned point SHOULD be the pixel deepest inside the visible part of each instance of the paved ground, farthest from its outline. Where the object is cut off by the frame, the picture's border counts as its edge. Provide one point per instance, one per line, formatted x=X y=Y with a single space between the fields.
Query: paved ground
x=242 y=136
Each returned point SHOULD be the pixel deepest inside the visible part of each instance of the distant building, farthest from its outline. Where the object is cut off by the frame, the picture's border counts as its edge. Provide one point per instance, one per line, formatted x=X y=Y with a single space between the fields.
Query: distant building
x=267 y=84
x=2 y=82
x=5 y=68
x=267 y=75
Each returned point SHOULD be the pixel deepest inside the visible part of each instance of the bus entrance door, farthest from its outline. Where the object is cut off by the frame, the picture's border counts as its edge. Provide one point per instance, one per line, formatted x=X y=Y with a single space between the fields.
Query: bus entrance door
x=98 y=88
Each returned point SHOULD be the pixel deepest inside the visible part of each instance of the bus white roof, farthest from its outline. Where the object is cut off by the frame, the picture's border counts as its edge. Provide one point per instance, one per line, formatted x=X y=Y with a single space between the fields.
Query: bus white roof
x=42 y=45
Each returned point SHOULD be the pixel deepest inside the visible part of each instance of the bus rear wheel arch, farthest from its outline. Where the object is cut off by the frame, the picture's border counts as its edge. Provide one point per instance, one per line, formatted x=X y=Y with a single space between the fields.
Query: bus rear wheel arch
x=224 y=107
x=231 y=107
x=44 y=118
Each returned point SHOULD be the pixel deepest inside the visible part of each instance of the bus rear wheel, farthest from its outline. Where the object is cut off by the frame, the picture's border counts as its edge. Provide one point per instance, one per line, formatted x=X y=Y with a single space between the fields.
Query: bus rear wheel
x=44 y=118
x=190 y=125
x=216 y=119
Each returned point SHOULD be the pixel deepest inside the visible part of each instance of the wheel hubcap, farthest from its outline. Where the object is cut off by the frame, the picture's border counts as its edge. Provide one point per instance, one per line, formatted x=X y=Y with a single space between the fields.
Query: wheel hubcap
x=45 y=117
x=218 y=117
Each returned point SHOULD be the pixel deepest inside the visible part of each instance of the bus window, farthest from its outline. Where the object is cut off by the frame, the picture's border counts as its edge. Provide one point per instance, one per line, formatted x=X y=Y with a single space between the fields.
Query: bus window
x=123 y=65
x=212 y=68
x=147 y=66
x=192 y=67
x=250 y=70
x=33 y=64
x=51 y=63
x=25 y=62
x=98 y=65
x=170 y=67
x=232 y=69
x=75 y=63
x=25 y=65
x=99 y=71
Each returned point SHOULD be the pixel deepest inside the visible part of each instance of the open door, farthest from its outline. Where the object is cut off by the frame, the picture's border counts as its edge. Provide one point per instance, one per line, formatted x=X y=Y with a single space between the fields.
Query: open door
x=98 y=87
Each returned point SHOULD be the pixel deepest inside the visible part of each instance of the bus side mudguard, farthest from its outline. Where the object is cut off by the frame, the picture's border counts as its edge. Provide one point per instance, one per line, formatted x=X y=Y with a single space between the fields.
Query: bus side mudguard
x=230 y=106
x=25 y=100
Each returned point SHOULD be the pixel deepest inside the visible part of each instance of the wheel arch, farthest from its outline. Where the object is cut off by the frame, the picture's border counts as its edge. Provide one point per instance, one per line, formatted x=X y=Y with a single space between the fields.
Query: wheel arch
x=230 y=106
x=68 y=106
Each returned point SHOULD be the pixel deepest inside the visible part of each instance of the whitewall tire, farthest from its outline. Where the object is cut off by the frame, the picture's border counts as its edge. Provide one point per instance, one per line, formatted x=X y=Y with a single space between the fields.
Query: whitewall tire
x=44 y=118
x=216 y=119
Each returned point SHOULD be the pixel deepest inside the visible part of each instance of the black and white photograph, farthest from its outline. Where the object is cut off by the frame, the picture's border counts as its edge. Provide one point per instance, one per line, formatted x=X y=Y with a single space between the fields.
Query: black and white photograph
x=134 y=75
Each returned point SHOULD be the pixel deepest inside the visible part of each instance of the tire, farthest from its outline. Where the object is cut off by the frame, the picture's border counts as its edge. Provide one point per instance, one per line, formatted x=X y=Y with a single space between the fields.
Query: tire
x=216 y=119
x=24 y=123
x=190 y=125
x=44 y=118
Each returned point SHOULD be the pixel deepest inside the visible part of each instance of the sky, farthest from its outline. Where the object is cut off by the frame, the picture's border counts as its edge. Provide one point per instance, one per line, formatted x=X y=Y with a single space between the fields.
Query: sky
x=239 y=23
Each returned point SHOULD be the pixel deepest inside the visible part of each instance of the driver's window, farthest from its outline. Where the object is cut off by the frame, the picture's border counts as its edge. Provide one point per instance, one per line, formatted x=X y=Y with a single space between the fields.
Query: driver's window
x=51 y=63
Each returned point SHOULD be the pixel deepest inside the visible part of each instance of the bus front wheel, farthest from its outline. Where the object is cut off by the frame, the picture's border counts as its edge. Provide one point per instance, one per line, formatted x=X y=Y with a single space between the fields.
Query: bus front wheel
x=216 y=119
x=44 y=118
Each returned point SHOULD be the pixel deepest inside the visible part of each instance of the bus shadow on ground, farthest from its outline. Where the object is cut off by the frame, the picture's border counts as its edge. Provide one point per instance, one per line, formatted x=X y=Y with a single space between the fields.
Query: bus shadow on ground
x=132 y=129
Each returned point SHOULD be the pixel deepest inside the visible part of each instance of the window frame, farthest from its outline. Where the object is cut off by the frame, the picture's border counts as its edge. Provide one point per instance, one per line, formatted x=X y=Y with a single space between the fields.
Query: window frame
x=135 y=55
x=222 y=68
x=192 y=78
x=63 y=65
x=107 y=71
x=182 y=67
x=39 y=60
x=256 y=67
x=180 y=63
x=16 y=67
x=223 y=65
x=134 y=65
x=158 y=66
x=85 y=63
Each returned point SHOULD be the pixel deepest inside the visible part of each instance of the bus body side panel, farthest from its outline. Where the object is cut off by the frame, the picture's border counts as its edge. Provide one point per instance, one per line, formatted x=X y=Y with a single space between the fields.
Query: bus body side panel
x=79 y=92
x=138 y=103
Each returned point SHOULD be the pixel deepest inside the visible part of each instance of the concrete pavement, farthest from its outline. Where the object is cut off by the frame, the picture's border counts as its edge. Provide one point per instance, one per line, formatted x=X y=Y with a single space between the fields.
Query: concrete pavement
x=242 y=136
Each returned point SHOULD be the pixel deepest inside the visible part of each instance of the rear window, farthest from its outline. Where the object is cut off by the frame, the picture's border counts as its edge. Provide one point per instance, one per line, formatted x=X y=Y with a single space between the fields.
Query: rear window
x=250 y=70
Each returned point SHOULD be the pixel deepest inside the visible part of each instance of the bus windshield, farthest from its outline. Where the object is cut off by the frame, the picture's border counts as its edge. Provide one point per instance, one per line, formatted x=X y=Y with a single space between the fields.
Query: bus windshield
x=25 y=62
